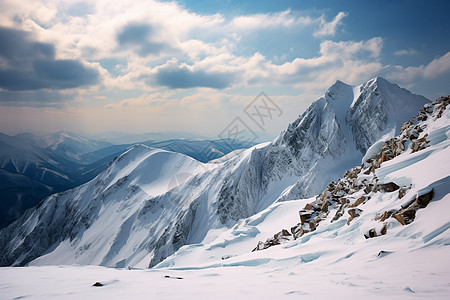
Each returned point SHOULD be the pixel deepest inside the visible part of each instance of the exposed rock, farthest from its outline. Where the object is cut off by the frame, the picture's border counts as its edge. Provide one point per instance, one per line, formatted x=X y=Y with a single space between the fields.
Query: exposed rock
x=384 y=216
x=383 y=253
x=402 y=191
x=372 y=233
x=368 y=188
x=384 y=229
x=173 y=277
x=305 y=215
x=406 y=216
x=312 y=225
x=277 y=238
x=258 y=247
x=424 y=199
x=97 y=284
x=358 y=202
x=388 y=187
x=354 y=213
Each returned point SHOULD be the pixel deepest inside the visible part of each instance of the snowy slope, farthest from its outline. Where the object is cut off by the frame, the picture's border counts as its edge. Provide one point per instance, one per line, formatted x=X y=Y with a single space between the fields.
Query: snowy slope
x=335 y=260
x=28 y=173
x=127 y=217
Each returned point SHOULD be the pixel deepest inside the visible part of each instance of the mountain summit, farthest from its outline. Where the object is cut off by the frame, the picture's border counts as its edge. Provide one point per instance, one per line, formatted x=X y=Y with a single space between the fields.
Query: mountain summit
x=148 y=203
x=334 y=133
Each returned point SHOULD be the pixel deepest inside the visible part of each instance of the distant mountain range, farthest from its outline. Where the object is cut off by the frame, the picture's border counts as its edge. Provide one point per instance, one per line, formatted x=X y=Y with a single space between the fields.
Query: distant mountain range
x=120 y=138
x=33 y=166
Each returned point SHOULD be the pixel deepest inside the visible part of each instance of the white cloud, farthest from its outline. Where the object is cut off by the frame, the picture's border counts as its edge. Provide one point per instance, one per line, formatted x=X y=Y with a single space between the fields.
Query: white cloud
x=262 y=21
x=337 y=60
x=435 y=68
x=329 y=28
x=408 y=52
x=203 y=44
x=144 y=100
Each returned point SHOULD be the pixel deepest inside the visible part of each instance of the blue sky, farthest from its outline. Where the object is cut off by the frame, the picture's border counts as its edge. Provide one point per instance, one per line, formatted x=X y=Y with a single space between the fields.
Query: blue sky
x=93 y=66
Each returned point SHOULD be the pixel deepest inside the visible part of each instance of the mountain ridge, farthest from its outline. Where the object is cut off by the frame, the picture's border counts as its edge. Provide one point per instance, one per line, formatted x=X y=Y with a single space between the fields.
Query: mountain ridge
x=212 y=196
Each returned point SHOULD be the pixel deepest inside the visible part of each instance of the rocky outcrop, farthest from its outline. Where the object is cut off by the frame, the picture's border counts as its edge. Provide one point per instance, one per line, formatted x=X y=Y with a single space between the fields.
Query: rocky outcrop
x=407 y=214
x=360 y=184
x=277 y=239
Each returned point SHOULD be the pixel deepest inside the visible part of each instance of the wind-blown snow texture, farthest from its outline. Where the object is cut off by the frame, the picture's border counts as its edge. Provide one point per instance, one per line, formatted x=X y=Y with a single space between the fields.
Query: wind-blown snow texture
x=148 y=203
x=335 y=260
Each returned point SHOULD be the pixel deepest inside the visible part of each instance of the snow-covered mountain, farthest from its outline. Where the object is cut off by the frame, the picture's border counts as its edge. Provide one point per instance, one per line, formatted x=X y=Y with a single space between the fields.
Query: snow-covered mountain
x=388 y=213
x=28 y=173
x=382 y=232
x=148 y=203
x=120 y=138
x=33 y=166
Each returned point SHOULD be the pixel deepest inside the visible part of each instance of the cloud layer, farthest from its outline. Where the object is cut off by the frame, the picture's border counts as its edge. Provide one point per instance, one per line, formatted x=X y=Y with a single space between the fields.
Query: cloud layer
x=105 y=57
x=31 y=65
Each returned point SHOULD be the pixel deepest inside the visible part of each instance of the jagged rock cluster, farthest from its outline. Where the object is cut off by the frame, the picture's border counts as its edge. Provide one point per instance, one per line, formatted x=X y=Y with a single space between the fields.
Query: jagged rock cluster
x=359 y=184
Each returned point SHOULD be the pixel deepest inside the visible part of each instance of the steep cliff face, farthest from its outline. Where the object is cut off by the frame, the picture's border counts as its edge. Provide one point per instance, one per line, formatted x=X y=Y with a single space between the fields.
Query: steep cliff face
x=148 y=203
x=356 y=118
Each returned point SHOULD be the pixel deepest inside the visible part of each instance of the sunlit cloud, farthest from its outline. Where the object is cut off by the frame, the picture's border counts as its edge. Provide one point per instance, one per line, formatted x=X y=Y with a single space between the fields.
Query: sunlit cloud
x=329 y=28
x=263 y=21
x=435 y=68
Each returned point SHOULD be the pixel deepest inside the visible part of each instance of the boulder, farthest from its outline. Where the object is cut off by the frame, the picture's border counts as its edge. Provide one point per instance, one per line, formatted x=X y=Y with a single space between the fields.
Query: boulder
x=371 y=234
x=384 y=229
x=305 y=215
x=406 y=216
x=359 y=201
x=384 y=216
x=424 y=199
x=388 y=187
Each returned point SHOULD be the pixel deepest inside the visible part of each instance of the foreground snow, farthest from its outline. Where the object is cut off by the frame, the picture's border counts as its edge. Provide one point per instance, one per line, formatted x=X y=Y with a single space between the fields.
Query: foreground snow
x=329 y=266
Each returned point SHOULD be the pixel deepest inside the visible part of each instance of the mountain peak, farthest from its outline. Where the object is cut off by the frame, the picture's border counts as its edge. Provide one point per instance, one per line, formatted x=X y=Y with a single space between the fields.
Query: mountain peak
x=337 y=90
